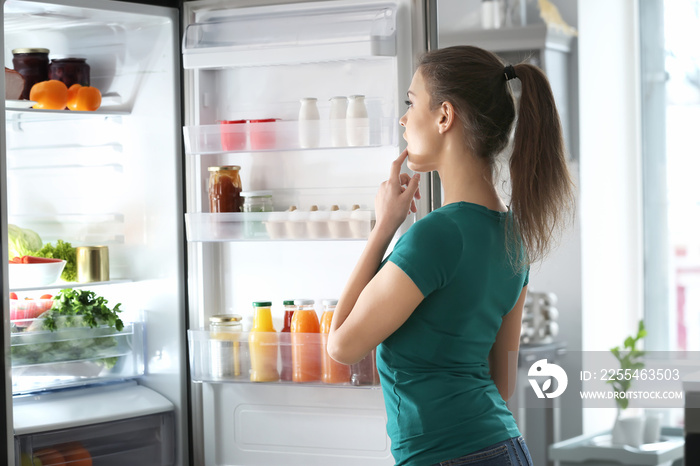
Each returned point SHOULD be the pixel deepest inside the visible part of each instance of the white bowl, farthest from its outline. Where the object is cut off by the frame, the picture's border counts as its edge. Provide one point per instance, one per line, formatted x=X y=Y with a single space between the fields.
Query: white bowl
x=30 y=275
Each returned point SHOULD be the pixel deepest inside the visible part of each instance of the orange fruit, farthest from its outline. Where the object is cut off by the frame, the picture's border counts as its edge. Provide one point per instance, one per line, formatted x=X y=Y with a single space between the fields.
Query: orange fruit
x=50 y=457
x=50 y=95
x=76 y=455
x=84 y=98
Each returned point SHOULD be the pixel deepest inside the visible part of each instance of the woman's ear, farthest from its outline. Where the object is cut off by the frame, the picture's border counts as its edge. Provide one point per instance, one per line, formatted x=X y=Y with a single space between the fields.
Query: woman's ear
x=446 y=117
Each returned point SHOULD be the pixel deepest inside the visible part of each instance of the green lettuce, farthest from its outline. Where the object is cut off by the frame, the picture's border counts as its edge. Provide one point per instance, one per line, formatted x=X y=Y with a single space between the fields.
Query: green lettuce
x=22 y=241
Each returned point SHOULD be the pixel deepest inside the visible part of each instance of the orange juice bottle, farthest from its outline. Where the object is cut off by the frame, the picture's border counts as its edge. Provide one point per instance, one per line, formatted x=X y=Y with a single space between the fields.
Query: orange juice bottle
x=331 y=370
x=262 y=345
x=306 y=354
x=286 y=341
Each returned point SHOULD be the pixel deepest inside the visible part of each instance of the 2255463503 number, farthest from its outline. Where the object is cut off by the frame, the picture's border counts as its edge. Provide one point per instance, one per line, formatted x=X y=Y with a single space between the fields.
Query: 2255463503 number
x=638 y=374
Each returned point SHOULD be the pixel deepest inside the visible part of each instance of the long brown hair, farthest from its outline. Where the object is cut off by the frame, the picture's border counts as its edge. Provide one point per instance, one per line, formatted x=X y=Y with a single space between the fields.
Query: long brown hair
x=473 y=80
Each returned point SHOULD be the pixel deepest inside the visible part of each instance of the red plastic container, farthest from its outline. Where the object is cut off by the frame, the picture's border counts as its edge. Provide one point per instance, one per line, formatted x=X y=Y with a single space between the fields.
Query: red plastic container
x=233 y=134
x=262 y=134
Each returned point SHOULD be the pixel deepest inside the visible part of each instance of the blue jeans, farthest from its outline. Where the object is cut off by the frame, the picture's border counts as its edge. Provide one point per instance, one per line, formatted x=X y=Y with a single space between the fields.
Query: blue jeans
x=512 y=452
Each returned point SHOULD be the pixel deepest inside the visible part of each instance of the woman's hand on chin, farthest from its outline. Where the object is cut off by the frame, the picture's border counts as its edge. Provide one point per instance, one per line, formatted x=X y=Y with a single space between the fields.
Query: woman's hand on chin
x=396 y=197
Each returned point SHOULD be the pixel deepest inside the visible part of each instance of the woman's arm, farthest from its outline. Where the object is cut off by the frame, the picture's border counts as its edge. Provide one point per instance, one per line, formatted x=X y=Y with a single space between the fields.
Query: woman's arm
x=374 y=304
x=507 y=341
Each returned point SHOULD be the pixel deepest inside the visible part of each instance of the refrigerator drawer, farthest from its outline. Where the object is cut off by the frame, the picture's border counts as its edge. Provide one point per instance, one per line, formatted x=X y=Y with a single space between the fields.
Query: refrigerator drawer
x=274 y=358
x=145 y=440
x=69 y=356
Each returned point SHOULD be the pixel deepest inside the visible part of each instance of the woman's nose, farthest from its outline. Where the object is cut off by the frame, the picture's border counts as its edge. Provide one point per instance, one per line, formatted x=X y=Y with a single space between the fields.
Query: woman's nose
x=402 y=121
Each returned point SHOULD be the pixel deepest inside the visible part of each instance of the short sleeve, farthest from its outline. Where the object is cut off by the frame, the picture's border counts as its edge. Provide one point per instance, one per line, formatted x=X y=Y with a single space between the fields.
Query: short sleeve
x=429 y=252
x=527 y=276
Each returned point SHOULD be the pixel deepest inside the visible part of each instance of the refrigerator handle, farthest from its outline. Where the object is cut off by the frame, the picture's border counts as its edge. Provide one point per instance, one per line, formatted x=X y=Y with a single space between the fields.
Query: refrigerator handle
x=431 y=39
x=431 y=25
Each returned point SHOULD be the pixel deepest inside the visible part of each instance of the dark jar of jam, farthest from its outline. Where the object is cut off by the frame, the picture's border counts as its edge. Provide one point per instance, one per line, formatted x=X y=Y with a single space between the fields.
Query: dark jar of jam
x=33 y=65
x=70 y=71
x=225 y=189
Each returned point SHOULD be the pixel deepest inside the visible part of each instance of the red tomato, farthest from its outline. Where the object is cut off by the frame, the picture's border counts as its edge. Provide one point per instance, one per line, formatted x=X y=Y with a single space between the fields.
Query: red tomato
x=13 y=295
x=46 y=296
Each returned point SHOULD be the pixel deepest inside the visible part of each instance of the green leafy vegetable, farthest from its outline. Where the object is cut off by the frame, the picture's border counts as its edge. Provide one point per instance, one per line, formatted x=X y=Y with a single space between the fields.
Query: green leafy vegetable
x=64 y=251
x=22 y=241
x=92 y=309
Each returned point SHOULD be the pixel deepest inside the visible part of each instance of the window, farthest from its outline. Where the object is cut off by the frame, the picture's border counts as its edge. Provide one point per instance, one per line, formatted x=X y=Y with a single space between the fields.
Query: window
x=670 y=56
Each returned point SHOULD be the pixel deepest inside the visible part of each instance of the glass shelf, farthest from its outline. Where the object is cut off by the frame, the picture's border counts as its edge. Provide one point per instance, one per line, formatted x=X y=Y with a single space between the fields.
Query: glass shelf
x=290 y=226
x=288 y=135
x=18 y=115
x=291 y=34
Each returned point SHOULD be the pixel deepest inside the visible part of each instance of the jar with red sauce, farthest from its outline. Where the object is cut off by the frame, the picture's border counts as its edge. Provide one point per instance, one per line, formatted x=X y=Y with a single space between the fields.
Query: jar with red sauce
x=33 y=65
x=70 y=71
x=225 y=189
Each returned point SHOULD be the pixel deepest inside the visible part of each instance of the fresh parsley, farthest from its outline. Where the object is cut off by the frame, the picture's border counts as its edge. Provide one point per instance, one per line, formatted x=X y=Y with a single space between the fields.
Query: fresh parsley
x=92 y=310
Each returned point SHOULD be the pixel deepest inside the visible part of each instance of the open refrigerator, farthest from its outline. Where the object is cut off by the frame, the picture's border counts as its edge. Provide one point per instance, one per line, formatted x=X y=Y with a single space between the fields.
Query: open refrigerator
x=134 y=176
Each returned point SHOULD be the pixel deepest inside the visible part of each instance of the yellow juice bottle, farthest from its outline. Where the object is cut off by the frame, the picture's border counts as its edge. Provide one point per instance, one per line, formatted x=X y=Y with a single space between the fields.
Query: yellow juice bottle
x=262 y=345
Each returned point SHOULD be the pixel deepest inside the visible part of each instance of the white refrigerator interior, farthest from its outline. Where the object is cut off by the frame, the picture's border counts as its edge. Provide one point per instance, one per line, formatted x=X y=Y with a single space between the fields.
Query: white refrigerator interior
x=247 y=70
x=111 y=177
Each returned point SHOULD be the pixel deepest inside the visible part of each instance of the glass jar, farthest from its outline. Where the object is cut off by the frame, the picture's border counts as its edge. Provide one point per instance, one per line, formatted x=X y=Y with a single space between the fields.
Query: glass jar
x=225 y=346
x=70 y=71
x=225 y=189
x=257 y=201
x=33 y=65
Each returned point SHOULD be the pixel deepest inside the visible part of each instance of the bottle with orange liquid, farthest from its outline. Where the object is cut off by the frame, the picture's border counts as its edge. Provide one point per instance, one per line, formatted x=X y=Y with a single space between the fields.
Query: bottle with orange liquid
x=286 y=342
x=306 y=354
x=262 y=345
x=331 y=370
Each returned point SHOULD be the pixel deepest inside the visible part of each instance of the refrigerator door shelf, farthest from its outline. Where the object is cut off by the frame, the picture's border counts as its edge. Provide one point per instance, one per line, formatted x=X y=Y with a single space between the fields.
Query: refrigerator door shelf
x=301 y=33
x=264 y=226
x=289 y=135
x=264 y=357
x=44 y=360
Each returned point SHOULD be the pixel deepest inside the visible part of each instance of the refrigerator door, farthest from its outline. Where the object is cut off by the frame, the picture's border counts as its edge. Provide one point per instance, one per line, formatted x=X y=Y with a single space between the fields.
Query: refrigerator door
x=248 y=68
x=108 y=177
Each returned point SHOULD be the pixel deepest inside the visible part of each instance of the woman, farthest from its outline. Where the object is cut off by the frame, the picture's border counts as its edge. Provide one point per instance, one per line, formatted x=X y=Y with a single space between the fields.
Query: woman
x=446 y=306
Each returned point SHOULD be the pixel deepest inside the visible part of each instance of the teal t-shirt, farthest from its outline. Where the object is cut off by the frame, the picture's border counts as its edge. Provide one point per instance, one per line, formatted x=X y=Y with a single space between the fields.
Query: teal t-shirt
x=440 y=399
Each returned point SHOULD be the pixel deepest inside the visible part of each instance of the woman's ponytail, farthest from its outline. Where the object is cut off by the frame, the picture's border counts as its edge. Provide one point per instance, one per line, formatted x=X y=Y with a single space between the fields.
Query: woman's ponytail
x=541 y=187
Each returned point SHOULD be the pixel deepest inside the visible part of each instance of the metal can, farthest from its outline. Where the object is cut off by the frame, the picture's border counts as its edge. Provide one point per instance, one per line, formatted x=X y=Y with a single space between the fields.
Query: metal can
x=92 y=263
x=225 y=345
x=225 y=189
x=33 y=65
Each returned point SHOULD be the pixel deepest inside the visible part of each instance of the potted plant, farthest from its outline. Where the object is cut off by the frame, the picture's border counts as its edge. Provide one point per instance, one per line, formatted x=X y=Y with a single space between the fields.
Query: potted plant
x=628 y=429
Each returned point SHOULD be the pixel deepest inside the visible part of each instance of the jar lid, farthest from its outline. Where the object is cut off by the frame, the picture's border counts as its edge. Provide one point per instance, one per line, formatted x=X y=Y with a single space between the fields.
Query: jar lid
x=68 y=59
x=224 y=168
x=330 y=302
x=303 y=302
x=248 y=194
x=30 y=50
x=221 y=318
x=288 y=302
x=356 y=96
x=262 y=304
